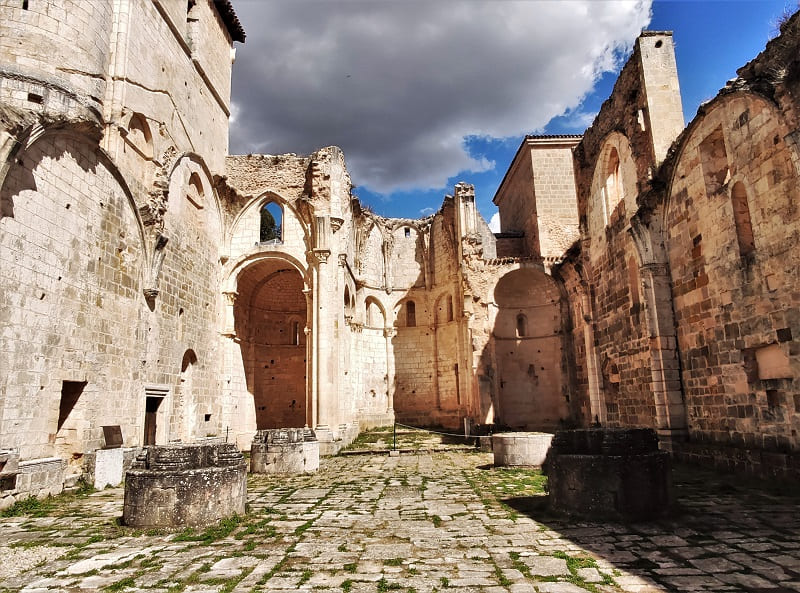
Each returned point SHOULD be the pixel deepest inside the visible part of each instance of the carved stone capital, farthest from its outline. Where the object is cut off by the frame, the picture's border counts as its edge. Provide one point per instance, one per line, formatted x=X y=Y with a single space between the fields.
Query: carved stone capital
x=389 y=332
x=322 y=255
x=655 y=269
x=230 y=297
x=343 y=260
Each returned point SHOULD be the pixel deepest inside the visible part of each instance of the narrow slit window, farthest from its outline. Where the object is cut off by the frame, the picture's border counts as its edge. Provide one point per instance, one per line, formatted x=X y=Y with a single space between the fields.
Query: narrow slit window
x=741 y=218
x=522 y=326
x=411 y=314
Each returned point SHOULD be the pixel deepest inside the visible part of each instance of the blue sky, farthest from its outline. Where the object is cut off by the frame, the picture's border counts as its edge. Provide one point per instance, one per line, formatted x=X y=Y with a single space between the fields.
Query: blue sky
x=421 y=94
x=712 y=40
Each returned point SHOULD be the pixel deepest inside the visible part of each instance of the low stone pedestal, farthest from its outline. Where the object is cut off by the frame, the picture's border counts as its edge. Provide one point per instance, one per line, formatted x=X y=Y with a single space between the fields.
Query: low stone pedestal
x=609 y=474
x=104 y=467
x=284 y=451
x=183 y=485
x=520 y=449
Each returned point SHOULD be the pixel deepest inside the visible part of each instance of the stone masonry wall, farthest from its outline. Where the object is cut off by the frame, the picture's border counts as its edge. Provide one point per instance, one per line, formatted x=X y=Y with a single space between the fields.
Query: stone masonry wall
x=72 y=310
x=734 y=279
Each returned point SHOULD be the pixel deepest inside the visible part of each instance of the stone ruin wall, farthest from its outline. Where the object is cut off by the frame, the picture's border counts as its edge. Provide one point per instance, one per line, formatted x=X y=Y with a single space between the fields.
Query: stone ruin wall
x=87 y=258
x=724 y=269
x=154 y=250
x=736 y=305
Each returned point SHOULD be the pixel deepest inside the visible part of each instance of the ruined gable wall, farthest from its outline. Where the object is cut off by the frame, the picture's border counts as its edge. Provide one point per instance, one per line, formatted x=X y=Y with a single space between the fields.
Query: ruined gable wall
x=734 y=285
x=253 y=180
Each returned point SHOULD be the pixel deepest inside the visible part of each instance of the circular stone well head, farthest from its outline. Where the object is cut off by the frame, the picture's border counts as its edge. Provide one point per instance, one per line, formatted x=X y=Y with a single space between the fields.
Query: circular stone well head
x=520 y=449
x=609 y=474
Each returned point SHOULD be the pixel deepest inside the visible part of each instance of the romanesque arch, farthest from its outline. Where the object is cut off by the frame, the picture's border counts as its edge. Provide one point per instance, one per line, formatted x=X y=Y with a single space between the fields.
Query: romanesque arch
x=270 y=321
x=613 y=190
x=80 y=244
x=730 y=220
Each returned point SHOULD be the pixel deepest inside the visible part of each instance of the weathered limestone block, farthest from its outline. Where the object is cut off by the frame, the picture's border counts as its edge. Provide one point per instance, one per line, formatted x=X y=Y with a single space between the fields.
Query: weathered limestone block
x=184 y=485
x=527 y=449
x=284 y=451
x=108 y=467
x=9 y=468
x=609 y=474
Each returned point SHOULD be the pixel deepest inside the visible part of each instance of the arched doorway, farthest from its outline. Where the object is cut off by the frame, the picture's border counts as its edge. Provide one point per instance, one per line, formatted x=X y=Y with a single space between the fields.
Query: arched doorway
x=270 y=317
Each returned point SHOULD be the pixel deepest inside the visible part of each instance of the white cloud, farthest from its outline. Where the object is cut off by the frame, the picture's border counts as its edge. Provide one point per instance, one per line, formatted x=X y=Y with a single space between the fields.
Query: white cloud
x=494 y=223
x=399 y=85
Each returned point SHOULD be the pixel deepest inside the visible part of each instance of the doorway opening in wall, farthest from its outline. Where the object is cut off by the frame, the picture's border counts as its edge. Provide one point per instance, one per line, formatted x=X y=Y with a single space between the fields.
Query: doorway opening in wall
x=150 y=417
x=67 y=436
x=270 y=320
x=70 y=393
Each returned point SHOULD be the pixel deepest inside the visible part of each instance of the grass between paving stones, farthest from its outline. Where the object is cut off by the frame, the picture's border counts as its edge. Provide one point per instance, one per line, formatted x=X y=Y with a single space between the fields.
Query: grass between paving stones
x=573 y=564
x=50 y=506
x=384 y=585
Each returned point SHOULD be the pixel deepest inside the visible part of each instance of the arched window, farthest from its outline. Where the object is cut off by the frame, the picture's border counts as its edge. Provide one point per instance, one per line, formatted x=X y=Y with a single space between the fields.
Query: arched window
x=195 y=192
x=522 y=325
x=295 y=333
x=741 y=218
x=271 y=223
x=139 y=135
x=449 y=308
x=411 y=314
x=612 y=190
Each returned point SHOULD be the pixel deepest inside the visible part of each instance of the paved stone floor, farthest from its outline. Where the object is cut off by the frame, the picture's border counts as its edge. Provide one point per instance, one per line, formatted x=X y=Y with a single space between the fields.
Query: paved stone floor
x=440 y=521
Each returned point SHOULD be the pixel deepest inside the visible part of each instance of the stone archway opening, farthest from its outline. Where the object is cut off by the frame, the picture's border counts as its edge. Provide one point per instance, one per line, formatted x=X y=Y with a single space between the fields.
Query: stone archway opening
x=270 y=318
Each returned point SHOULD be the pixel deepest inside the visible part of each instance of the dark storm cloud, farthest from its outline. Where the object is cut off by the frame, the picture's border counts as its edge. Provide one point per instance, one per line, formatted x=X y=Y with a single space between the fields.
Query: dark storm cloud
x=398 y=85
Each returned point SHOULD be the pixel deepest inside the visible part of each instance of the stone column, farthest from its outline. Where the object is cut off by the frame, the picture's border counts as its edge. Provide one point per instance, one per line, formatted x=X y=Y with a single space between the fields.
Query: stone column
x=326 y=303
x=310 y=370
x=229 y=328
x=389 y=333
x=665 y=367
x=597 y=404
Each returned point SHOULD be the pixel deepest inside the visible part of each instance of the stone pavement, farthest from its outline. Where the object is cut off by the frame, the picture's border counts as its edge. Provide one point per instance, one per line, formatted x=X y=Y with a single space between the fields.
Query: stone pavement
x=435 y=521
